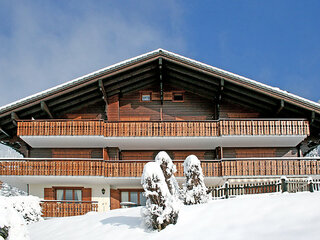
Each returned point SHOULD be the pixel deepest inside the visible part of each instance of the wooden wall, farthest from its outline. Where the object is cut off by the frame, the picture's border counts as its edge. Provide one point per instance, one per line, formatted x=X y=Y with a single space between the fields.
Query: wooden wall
x=93 y=111
x=259 y=152
x=65 y=153
x=175 y=154
x=233 y=110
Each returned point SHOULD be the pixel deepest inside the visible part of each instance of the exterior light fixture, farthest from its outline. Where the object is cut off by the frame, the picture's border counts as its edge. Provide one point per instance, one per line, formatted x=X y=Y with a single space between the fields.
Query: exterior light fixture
x=103 y=191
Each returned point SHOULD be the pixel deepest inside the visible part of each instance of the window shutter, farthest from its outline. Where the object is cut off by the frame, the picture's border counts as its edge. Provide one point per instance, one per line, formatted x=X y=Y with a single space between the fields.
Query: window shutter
x=49 y=194
x=86 y=194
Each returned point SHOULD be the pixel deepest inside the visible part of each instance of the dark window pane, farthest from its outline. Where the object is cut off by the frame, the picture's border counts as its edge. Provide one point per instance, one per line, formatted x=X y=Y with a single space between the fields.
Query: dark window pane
x=69 y=195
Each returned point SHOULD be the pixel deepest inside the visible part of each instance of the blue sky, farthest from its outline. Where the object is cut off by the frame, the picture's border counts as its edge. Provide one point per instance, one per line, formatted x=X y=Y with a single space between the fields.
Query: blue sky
x=45 y=43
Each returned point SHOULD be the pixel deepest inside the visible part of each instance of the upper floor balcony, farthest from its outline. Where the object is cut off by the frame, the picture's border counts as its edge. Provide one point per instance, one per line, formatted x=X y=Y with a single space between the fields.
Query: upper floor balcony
x=133 y=168
x=150 y=134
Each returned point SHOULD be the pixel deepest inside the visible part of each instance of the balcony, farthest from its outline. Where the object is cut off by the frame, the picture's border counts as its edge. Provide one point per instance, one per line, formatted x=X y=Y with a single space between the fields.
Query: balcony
x=190 y=134
x=52 y=208
x=134 y=168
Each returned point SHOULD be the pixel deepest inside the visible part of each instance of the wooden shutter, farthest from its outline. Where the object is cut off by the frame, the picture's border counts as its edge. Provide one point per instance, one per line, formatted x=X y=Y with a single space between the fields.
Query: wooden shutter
x=49 y=194
x=86 y=194
x=114 y=199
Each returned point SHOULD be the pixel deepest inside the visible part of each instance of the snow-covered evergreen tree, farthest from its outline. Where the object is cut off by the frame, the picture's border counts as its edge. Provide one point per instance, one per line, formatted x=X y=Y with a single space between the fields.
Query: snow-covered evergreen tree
x=162 y=207
x=195 y=191
x=315 y=152
x=168 y=169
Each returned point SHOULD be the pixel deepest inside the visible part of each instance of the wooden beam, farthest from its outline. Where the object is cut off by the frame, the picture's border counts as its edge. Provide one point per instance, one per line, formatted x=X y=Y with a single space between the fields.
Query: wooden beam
x=103 y=90
x=132 y=73
x=280 y=107
x=131 y=81
x=161 y=81
x=4 y=132
x=193 y=74
x=81 y=105
x=104 y=97
x=45 y=108
x=78 y=101
x=196 y=84
x=14 y=118
x=75 y=94
x=140 y=85
x=313 y=117
x=188 y=87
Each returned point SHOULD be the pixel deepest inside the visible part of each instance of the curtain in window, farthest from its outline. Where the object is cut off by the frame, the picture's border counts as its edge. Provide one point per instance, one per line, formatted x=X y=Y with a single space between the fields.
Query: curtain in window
x=77 y=195
x=59 y=194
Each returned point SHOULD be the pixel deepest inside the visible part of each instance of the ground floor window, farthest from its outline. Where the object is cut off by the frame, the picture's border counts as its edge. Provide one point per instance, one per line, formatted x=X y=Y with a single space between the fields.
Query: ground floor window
x=132 y=198
x=69 y=194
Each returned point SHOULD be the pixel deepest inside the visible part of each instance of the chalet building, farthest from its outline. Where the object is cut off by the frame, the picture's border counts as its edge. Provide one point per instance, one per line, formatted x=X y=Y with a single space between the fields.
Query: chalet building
x=85 y=142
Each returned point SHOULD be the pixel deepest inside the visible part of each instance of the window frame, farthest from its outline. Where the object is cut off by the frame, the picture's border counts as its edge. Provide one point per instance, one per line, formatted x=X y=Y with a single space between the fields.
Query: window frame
x=138 y=191
x=178 y=93
x=146 y=93
x=64 y=193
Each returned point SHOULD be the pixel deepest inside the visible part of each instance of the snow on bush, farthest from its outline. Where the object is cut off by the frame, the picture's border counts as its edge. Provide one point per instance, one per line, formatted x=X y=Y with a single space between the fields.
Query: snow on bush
x=7 y=191
x=162 y=207
x=315 y=152
x=168 y=169
x=13 y=221
x=195 y=191
x=27 y=206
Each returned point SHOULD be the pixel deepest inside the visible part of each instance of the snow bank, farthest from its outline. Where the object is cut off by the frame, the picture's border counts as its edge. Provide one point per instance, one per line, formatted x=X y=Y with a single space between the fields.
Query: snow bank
x=10 y=218
x=263 y=216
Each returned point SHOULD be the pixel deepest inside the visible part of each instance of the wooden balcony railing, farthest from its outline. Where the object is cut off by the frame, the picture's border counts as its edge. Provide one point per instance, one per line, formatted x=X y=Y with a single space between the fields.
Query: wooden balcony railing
x=134 y=168
x=65 y=209
x=162 y=129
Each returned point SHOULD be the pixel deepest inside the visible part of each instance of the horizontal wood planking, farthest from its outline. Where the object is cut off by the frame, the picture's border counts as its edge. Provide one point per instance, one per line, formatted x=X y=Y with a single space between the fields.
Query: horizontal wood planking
x=121 y=168
x=163 y=128
x=66 y=209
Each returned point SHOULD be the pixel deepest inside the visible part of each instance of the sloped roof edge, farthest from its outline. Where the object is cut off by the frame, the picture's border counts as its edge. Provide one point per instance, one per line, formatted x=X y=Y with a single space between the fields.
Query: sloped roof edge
x=281 y=94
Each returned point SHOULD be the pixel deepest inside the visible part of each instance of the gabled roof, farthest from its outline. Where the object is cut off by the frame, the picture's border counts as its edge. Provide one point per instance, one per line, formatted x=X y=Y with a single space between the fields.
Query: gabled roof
x=144 y=69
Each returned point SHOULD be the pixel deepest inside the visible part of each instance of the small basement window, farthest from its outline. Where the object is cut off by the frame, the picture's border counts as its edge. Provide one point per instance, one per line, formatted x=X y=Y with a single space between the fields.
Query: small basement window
x=145 y=97
x=177 y=97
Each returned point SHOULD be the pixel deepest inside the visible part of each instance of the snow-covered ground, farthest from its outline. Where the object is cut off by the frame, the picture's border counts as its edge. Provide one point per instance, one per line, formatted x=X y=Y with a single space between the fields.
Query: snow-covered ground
x=264 y=216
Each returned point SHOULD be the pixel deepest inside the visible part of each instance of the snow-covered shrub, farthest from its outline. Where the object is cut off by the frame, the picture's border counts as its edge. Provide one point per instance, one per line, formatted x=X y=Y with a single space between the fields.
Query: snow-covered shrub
x=315 y=152
x=195 y=191
x=162 y=207
x=12 y=220
x=7 y=191
x=168 y=169
x=28 y=207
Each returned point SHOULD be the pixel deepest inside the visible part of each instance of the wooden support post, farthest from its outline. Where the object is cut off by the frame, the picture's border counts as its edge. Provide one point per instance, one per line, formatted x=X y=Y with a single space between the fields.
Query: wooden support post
x=284 y=185
x=45 y=108
x=280 y=107
x=104 y=96
x=310 y=185
x=14 y=118
x=161 y=81
x=226 y=189
x=313 y=117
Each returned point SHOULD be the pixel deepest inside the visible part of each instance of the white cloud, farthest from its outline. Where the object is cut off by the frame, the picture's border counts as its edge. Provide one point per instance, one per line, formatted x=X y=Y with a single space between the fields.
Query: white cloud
x=48 y=44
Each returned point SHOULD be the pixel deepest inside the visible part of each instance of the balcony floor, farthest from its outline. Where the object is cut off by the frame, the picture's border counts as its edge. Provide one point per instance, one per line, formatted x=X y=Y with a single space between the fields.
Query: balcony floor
x=168 y=143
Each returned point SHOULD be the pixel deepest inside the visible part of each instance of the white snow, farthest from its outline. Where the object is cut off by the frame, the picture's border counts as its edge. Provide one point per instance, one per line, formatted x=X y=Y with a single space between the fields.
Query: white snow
x=8 y=191
x=263 y=216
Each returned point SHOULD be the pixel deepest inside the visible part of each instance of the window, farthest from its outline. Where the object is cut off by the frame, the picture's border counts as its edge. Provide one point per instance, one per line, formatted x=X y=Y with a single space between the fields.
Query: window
x=145 y=96
x=69 y=194
x=133 y=197
x=177 y=97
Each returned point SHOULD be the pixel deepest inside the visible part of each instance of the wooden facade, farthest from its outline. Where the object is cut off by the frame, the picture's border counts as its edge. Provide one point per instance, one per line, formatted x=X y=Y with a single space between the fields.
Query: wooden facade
x=158 y=96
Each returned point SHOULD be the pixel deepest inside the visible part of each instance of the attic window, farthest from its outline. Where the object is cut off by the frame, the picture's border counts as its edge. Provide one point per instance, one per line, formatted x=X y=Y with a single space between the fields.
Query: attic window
x=177 y=97
x=146 y=97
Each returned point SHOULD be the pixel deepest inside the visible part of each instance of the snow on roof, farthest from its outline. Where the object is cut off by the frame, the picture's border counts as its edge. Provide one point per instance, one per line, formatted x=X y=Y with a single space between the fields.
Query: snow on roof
x=163 y=52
